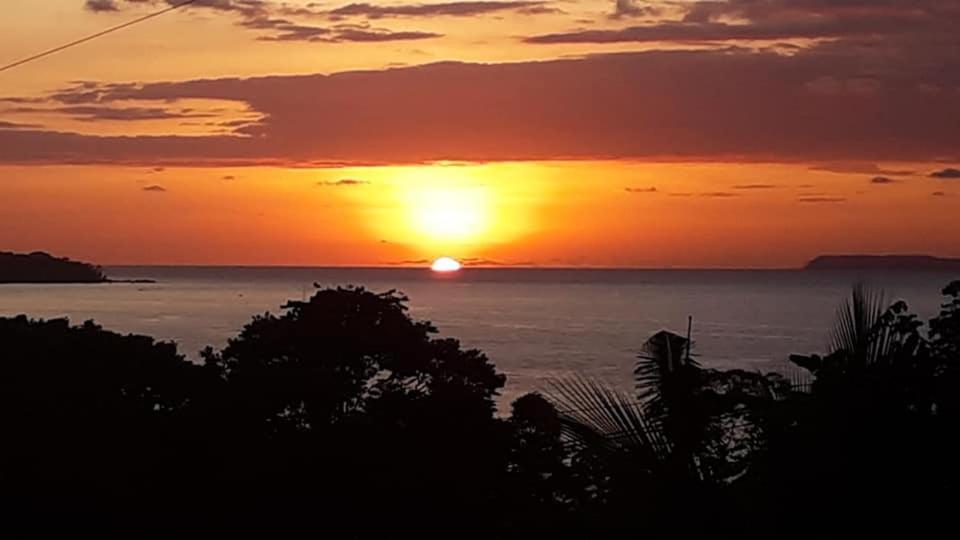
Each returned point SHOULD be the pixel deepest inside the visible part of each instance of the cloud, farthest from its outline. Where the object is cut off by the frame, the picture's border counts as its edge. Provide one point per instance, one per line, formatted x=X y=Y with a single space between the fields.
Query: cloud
x=821 y=200
x=158 y=169
x=719 y=194
x=228 y=177
x=938 y=194
x=949 y=173
x=284 y=30
x=380 y=35
x=455 y=9
x=93 y=113
x=882 y=180
x=479 y=261
x=651 y=189
x=346 y=182
x=689 y=32
x=860 y=168
x=102 y=5
x=155 y=189
x=629 y=8
x=689 y=105
x=252 y=9
x=88 y=113
x=276 y=18
x=16 y=125
x=240 y=6
x=754 y=186
x=710 y=21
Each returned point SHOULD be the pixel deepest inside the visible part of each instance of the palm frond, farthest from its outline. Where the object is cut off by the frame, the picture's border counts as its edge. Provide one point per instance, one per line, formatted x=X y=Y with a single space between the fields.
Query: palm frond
x=857 y=331
x=663 y=373
x=868 y=332
x=597 y=416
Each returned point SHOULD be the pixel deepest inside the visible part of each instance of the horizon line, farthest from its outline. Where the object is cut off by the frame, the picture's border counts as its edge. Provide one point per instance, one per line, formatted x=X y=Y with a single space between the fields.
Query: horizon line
x=426 y=267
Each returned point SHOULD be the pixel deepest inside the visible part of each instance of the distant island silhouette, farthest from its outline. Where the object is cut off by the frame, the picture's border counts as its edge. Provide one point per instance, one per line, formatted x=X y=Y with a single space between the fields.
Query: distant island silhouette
x=883 y=262
x=40 y=267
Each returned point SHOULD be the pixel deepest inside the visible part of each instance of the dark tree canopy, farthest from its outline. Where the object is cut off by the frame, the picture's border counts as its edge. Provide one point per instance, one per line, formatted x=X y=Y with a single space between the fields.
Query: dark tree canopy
x=339 y=408
x=345 y=353
x=344 y=417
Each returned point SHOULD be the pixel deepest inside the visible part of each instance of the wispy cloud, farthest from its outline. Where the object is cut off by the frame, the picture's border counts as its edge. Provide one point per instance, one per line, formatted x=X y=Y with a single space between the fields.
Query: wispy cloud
x=454 y=9
x=630 y=8
x=861 y=168
x=345 y=182
x=155 y=189
x=651 y=189
x=754 y=186
x=946 y=174
x=771 y=20
x=16 y=125
x=102 y=5
x=821 y=200
x=284 y=30
x=94 y=113
x=882 y=180
x=278 y=21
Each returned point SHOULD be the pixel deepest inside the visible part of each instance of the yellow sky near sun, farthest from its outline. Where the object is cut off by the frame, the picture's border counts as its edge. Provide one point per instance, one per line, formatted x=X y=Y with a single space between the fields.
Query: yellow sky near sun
x=554 y=214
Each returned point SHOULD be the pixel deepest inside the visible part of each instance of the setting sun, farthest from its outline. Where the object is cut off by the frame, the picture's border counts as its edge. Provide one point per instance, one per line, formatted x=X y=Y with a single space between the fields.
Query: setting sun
x=445 y=264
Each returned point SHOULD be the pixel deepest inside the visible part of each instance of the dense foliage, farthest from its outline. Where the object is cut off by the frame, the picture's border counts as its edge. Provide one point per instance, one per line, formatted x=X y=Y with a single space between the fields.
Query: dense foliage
x=344 y=417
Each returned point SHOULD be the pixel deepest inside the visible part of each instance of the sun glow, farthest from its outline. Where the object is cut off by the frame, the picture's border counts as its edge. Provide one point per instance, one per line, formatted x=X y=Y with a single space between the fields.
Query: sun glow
x=445 y=264
x=418 y=212
x=450 y=214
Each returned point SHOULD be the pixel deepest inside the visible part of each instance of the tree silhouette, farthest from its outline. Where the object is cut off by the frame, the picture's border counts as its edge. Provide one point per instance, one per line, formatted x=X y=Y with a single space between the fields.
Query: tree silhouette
x=340 y=408
x=688 y=431
x=868 y=444
x=344 y=414
x=380 y=416
x=98 y=427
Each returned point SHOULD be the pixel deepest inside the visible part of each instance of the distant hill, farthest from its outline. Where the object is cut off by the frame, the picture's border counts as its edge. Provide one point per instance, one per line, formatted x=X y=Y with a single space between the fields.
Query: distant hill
x=39 y=267
x=883 y=262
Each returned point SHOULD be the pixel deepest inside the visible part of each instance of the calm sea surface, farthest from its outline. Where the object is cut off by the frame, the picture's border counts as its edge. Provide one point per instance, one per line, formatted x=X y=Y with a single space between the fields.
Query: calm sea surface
x=532 y=323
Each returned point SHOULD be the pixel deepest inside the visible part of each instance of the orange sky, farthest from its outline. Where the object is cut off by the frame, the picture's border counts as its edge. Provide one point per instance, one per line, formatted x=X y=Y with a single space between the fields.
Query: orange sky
x=723 y=134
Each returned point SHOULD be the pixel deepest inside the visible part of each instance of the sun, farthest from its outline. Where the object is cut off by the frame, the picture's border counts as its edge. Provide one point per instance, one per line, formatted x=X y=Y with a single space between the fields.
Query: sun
x=445 y=264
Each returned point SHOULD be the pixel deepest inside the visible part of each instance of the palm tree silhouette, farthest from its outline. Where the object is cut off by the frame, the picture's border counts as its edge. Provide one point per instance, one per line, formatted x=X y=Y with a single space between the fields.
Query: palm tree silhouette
x=684 y=421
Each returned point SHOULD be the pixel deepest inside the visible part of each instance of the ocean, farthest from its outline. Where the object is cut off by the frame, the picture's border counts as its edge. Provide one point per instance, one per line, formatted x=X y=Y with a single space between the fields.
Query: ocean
x=533 y=323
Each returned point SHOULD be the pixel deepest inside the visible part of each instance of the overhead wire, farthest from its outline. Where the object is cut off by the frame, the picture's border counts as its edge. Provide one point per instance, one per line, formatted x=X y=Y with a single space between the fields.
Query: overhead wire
x=100 y=34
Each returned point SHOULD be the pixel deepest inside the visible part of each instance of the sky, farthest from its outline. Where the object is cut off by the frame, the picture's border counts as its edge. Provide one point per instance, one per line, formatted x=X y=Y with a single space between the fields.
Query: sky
x=601 y=133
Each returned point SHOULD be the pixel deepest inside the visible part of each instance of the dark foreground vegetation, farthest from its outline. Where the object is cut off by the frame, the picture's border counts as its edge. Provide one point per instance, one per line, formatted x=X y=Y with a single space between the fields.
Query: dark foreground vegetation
x=40 y=267
x=344 y=418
